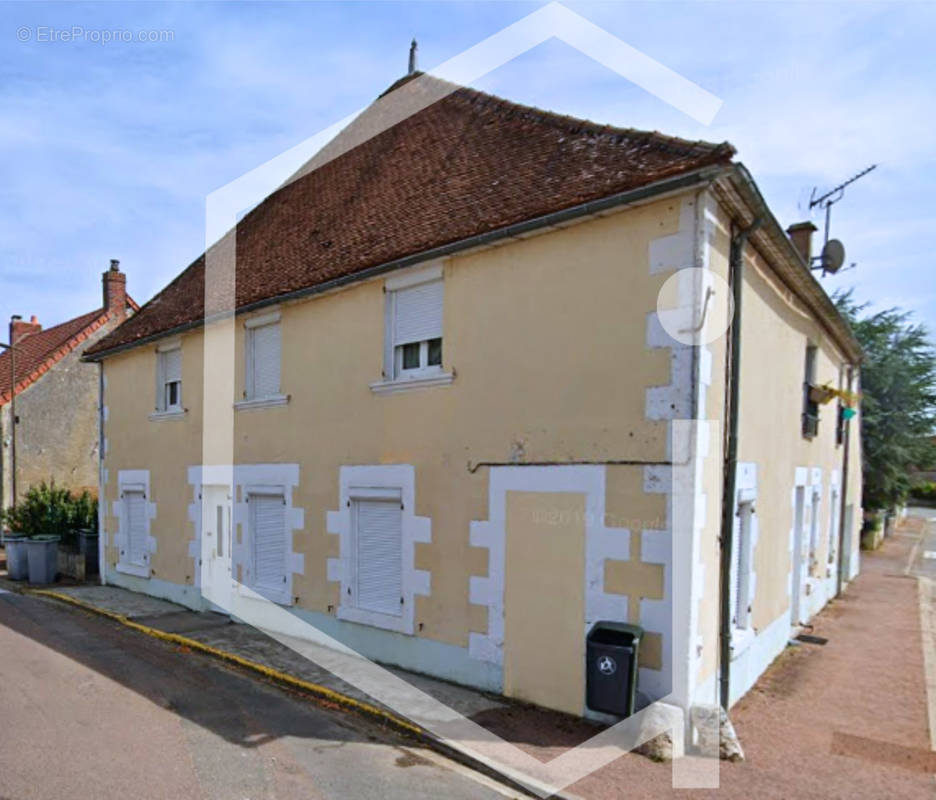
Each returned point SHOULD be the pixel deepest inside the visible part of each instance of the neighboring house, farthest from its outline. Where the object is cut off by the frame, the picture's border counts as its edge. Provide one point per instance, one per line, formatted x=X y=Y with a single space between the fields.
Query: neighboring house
x=57 y=396
x=454 y=406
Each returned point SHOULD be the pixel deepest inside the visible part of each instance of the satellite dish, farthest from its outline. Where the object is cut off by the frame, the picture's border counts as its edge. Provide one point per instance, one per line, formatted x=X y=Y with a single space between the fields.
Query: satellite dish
x=833 y=256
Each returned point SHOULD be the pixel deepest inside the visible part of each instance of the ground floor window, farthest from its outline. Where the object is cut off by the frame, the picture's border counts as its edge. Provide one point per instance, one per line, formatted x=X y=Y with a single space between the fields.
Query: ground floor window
x=134 y=549
x=378 y=534
x=268 y=550
x=135 y=511
x=741 y=565
x=377 y=541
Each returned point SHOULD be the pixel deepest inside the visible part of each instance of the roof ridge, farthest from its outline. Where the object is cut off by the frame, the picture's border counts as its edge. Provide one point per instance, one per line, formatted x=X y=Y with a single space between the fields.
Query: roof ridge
x=566 y=121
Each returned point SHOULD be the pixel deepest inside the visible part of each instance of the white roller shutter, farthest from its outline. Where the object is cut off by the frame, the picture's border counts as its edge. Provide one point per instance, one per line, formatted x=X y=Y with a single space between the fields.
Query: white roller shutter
x=379 y=557
x=265 y=360
x=172 y=365
x=268 y=540
x=135 y=544
x=417 y=313
x=741 y=566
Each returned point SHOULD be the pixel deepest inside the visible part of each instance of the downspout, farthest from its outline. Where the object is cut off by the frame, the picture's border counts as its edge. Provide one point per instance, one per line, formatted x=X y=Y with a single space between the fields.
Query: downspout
x=736 y=278
x=12 y=413
x=840 y=571
x=102 y=536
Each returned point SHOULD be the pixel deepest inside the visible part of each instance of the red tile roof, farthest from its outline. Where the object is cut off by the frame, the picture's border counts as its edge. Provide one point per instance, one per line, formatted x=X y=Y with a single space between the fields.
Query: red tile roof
x=37 y=353
x=467 y=164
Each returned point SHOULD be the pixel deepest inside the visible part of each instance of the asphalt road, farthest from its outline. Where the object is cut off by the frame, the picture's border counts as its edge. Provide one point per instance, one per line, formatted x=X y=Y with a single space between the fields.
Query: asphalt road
x=91 y=709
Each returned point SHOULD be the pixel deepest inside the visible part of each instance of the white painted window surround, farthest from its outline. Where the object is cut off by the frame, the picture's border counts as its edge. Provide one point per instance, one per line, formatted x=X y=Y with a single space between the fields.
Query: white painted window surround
x=413 y=341
x=378 y=530
x=243 y=482
x=744 y=540
x=263 y=362
x=134 y=510
x=168 y=403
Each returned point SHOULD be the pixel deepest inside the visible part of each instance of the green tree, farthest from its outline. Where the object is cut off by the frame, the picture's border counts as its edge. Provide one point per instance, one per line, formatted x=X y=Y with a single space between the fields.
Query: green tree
x=898 y=402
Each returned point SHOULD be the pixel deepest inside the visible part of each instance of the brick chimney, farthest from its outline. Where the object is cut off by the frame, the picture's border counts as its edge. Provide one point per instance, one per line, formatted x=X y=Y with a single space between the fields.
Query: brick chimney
x=801 y=236
x=19 y=329
x=115 y=290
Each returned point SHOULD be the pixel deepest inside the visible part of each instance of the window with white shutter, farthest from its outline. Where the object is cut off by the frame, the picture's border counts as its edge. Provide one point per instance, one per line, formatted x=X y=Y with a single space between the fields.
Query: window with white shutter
x=741 y=567
x=377 y=526
x=262 y=379
x=169 y=379
x=134 y=503
x=268 y=549
x=415 y=329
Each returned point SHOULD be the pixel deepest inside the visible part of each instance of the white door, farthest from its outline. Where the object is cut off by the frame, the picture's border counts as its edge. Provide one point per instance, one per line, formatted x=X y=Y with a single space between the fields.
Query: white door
x=800 y=542
x=216 y=566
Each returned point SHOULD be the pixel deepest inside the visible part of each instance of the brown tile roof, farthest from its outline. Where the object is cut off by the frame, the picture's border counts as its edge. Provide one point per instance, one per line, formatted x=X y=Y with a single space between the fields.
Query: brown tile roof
x=38 y=352
x=464 y=165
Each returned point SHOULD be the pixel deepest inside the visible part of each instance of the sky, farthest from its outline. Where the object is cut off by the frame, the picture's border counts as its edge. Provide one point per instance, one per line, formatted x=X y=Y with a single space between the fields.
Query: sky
x=109 y=149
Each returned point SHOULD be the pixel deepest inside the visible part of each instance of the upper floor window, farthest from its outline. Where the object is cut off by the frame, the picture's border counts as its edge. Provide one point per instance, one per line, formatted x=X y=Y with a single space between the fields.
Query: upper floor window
x=810 y=404
x=169 y=379
x=414 y=325
x=263 y=351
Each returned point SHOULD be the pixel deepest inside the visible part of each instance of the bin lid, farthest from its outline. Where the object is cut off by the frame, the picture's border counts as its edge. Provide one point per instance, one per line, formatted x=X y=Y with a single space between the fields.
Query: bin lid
x=634 y=631
x=45 y=537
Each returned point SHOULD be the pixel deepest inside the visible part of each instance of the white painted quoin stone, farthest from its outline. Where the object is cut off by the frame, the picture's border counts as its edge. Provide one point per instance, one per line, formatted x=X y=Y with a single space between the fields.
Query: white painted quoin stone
x=601 y=544
x=241 y=479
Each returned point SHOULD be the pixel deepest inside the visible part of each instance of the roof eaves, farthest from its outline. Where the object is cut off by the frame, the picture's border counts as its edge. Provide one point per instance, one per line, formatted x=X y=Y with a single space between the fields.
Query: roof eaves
x=672 y=185
x=789 y=264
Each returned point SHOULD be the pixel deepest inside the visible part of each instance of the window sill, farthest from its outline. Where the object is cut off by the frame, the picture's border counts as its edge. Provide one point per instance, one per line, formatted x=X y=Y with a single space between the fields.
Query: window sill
x=741 y=639
x=262 y=402
x=162 y=416
x=388 y=622
x=411 y=384
x=139 y=570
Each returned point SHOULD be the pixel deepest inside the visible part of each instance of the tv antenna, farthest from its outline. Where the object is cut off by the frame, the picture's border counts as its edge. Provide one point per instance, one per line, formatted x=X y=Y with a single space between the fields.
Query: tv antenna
x=833 y=251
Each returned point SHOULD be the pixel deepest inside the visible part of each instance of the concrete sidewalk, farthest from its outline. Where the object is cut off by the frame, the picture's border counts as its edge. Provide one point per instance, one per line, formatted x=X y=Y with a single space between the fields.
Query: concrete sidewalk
x=219 y=633
x=845 y=719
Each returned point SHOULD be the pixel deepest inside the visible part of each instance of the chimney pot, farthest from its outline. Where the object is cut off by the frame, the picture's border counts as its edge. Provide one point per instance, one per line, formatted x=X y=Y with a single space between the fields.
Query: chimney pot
x=801 y=236
x=115 y=290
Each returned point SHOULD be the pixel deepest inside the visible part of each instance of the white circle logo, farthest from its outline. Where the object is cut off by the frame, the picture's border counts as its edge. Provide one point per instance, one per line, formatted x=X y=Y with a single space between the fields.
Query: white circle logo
x=607 y=665
x=695 y=306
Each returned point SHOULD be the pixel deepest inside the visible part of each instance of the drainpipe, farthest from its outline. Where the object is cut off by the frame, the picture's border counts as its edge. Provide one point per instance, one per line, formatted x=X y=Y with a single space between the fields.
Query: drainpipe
x=840 y=571
x=102 y=537
x=13 y=319
x=10 y=348
x=736 y=278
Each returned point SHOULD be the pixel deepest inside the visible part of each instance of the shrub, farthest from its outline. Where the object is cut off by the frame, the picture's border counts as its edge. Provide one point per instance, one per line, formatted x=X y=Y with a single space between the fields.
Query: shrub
x=48 y=508
x=924 y=491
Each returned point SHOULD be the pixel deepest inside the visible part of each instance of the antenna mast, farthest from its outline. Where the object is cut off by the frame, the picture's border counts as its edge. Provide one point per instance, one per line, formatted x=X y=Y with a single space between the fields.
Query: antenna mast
x=833 y=196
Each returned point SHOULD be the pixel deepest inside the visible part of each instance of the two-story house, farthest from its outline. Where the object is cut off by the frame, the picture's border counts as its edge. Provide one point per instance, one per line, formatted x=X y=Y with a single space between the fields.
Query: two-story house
x=461 y=431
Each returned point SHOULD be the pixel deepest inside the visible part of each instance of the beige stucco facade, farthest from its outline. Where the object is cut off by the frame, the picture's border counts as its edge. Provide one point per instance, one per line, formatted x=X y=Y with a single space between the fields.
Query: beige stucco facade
x=776 y=458
x=542 y=473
